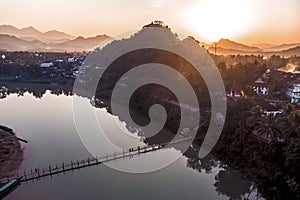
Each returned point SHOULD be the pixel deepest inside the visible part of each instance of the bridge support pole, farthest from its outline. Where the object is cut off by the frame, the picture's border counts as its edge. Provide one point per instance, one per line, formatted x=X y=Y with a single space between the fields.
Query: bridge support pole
x=38 y=173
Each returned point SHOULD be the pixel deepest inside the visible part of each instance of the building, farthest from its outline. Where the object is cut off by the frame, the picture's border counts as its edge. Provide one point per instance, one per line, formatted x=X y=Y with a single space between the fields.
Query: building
x=293 y=91
x=268 y=107
x=260 y=86
x=234 y=94
x=70 y=60
x=47 y=64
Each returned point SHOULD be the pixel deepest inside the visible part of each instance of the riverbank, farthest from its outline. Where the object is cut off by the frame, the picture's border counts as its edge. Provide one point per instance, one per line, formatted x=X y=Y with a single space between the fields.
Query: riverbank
x=11 y=154
x=273 y=166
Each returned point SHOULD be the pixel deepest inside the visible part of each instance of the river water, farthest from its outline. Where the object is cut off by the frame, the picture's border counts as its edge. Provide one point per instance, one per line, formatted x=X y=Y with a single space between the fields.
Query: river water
x=47 y=123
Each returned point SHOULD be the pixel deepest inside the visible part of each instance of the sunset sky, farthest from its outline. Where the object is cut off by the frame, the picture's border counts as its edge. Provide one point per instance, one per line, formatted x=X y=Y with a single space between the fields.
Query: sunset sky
x=249 y=21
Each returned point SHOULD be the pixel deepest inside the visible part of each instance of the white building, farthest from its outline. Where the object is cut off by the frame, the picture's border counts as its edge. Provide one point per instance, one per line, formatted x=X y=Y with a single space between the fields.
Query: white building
x=71 y=60
x=293 y=92
x=233 y=94
x=46 y=65
x=260 y=87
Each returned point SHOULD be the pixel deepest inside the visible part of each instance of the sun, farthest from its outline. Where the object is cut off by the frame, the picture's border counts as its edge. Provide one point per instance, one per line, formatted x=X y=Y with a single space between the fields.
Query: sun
x=214 y=19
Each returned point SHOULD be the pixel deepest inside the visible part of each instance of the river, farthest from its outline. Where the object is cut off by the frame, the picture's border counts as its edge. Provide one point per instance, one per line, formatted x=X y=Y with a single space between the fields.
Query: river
x=47 y=123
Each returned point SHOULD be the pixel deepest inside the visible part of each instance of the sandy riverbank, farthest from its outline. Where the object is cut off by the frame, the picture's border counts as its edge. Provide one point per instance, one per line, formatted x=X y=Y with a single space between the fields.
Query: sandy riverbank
x=11 y=154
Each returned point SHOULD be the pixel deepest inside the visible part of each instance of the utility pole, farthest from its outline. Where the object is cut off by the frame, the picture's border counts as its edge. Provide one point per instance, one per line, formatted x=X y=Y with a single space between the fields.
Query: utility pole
x=215 y=48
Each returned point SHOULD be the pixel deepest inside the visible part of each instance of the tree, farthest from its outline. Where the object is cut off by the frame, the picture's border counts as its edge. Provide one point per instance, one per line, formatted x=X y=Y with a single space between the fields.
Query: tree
x=292 y=161
x=243 y=131
x=255 y=113
x=277 y=89
x=291 y=125
x=268 y=126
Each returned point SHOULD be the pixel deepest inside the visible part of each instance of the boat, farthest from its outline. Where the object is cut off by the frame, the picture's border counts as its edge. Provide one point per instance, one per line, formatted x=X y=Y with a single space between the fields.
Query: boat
x=4 y=190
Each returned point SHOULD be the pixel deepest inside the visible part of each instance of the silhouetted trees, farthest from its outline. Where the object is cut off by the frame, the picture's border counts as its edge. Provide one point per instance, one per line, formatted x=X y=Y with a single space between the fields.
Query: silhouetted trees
x=272 y=164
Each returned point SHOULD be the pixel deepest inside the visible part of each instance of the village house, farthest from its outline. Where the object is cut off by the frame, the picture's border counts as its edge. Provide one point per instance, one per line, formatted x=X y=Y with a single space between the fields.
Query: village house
x=260 y=86
x=47 y=64
x=293 y=91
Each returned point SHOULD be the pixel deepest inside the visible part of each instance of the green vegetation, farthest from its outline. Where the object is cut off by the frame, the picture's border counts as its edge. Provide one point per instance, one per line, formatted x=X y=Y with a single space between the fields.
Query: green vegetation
x=265 y=147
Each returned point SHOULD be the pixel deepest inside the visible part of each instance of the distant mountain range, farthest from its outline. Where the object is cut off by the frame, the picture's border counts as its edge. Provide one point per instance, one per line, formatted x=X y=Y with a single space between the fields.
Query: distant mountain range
x=228 y=44
x=30 y=33
x=227 y=47
x=283 y=47
x=31 y=39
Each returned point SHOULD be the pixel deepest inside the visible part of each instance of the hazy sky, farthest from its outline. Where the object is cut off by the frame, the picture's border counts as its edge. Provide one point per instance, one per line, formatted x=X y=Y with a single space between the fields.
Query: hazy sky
x=250 y=21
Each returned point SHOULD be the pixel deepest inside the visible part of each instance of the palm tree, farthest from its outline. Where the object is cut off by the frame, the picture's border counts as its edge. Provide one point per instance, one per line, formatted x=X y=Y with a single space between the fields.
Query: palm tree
x=267 y=126
x=291 y=125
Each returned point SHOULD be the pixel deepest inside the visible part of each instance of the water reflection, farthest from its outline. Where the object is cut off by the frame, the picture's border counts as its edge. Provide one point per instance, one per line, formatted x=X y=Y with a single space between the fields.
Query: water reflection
x=227 y=183
x=224 y=180
x=37 y=90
